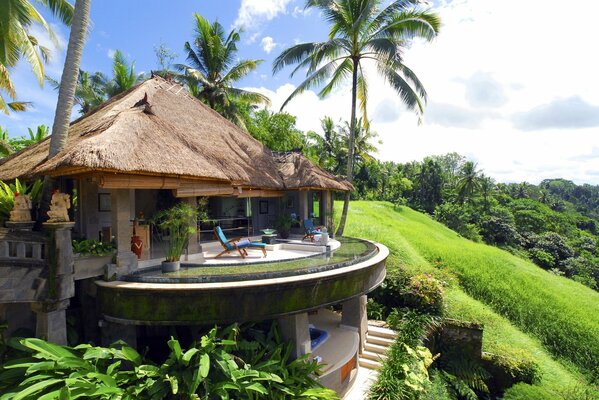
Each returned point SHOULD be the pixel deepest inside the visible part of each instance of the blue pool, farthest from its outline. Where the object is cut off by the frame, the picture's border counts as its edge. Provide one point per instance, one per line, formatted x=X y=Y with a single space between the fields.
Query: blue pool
x=317 y=337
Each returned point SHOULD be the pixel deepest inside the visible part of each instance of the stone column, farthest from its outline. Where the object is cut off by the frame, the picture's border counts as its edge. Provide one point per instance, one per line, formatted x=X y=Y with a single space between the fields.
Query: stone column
x=294 y=328
x=126 y=261
x=193 y=247
x=354 y=315
x=111 y=332
x=51 y=320
x=303 y=204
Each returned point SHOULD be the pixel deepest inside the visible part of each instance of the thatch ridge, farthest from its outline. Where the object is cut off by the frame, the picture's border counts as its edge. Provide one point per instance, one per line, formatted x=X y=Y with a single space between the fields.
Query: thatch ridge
x=157 y=128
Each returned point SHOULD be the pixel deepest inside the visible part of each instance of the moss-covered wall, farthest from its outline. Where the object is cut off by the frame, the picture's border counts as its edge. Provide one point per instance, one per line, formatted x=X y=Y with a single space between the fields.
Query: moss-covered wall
x=239 y=304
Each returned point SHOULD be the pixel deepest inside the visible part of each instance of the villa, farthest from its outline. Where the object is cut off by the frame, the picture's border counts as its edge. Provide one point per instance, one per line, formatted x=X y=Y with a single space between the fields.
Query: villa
x=143 y=151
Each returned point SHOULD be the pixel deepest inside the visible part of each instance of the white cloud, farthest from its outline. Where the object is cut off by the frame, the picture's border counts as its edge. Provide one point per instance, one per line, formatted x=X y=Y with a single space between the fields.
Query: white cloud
x=253 y=12
x=268 y=44
x=301 y=12
x=110 y=53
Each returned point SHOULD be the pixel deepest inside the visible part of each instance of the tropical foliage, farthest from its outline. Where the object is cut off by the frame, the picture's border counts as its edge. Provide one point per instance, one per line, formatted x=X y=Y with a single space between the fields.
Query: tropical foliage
x=8 y=191
x=221 y=365
x=17 y=17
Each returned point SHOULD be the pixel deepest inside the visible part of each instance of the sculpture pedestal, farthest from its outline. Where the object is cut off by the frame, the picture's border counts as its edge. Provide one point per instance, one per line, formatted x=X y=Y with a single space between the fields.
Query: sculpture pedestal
x=20 y=225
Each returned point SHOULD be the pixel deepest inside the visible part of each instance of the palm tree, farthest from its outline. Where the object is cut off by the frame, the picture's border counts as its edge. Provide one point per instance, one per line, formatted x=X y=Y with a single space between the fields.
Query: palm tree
x=123 y=75
x=16 y=42
x=213 y=69
x=90 y=91
x=468 y=182
x=6 y=147
x=66 y=93
x=360 y=31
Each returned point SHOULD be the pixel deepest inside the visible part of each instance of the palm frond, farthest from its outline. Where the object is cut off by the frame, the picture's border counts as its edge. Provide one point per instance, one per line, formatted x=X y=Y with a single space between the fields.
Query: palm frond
x=240 y=70
x=411 y=24
x=314 y=80
x=248 y=96
x=407 y=94
x=362 y=93
x=293 y=55
x=341 y=72
x=61 y=9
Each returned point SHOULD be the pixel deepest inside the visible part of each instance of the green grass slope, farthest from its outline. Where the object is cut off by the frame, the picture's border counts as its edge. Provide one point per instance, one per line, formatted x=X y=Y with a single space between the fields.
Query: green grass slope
x=526 y=311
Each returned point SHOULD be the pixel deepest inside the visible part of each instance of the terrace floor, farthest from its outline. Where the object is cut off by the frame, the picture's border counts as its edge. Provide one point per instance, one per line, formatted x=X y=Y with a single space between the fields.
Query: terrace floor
x=293 y=248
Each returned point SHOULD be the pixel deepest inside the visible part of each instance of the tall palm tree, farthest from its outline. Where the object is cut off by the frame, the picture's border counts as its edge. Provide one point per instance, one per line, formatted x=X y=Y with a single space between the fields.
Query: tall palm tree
x=468 y=182
x=360 y=31
x=213 y=69
x=123 y=75
x=66 y=93
x=16 y=42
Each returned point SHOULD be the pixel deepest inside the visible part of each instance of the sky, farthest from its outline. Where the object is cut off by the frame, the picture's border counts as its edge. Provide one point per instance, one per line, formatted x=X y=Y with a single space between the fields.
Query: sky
x=512 y=85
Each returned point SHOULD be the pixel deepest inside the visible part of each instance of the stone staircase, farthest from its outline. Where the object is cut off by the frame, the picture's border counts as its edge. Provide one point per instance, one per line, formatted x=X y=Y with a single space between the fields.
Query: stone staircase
x=376 y=346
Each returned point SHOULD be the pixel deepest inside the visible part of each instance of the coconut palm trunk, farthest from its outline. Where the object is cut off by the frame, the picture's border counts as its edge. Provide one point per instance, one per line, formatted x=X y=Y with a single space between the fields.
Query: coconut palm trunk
x=66 y=93
x=350 y=147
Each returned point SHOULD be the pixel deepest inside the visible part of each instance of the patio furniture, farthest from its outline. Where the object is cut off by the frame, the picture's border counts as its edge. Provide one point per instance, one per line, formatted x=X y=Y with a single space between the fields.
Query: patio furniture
x=310 y=230
x=236 y=244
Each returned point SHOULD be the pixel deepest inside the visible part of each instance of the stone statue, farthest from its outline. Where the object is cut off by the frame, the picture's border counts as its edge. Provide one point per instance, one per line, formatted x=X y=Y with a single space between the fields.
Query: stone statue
x=59 y=205
x=21 y=211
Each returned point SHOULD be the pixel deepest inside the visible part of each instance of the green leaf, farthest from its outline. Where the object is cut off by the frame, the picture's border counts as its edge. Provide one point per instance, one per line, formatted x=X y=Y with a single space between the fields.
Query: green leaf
x=46 y=349
x=36 y=388
x=204 y=365
x=189 y=354
x=132 y=355
x=257 y=387
x=175 y=346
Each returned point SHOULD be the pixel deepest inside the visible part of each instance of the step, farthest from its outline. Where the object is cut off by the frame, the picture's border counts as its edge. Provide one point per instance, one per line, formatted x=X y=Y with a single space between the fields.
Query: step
x=373 y=356
x=382 y=341
x=375 y=348
x=381 y=332
x=369 y=364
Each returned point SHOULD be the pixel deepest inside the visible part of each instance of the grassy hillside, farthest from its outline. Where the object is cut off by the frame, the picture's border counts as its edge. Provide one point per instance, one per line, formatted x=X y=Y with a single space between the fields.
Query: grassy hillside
x=525 y=309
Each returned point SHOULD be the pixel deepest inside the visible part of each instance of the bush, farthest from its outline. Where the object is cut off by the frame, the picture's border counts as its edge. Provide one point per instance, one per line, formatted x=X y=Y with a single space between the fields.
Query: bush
x=404 y=374
x=209 y=369
x=93 y=248
x=425 y=294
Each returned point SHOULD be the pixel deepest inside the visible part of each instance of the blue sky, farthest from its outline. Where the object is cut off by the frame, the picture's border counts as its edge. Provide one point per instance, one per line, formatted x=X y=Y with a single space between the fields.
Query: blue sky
x=505 y=87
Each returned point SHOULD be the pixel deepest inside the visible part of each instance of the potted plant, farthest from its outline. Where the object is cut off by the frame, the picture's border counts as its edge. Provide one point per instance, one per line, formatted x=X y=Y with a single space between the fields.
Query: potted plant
x=283 y=225
x=177 y=223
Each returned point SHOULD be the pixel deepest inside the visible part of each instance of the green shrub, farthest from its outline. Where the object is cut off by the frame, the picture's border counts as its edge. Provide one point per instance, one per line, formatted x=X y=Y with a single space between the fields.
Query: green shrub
x=425 y=294
x=519 y=369
x=209 y=369
x=92 y=248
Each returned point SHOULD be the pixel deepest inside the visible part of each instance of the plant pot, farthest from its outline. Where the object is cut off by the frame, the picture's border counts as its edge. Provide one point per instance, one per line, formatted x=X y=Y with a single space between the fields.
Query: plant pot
x=284 y=234
x=171 y=266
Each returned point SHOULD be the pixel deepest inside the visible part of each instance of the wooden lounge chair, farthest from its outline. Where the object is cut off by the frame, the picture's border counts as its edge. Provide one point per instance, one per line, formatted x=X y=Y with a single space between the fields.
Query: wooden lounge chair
x=237 y=244
x=310 y=230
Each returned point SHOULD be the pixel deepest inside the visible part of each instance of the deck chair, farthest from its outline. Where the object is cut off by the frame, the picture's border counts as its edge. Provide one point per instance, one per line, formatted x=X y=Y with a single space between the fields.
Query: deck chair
x=237 y=244
x=310 y=230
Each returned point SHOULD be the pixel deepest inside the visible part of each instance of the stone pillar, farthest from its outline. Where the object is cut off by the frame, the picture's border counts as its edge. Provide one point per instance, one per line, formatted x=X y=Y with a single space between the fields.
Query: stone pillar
x=111 y=332
x=194 y=246
x=354 y=315
x=51 y=321
x=294 y=328
x=303 y=204
x=126 y=261
x=59 y=257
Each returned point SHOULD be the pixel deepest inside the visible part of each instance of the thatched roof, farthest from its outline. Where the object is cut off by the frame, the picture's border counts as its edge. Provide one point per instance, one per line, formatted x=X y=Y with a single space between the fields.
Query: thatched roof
x=158 y=129
x=300 y=173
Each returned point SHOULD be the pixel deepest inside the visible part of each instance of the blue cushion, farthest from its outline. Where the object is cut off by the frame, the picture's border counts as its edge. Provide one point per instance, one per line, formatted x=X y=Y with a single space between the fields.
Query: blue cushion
x=258 y=244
